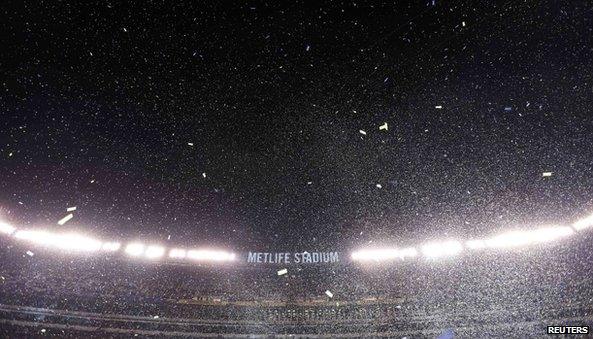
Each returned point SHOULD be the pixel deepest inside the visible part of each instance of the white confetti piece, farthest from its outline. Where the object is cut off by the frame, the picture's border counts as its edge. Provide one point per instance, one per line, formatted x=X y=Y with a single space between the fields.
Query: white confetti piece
x=379 y=186
x=329 y=294
x=20 y=202
x=29 y=253
x=362 y=132
x=204 y=174
x=463 y=23
x=125 y=30
x=169 y=237
x=190 y=143
x=70 y=209
x=309 y=182
x=92 y=181
x=43 y=330
x=283 y=271
x=547 y=174
x=438 y=107
x=65 y=219
x=10 y=154
x=155 y=317
x=383 y=127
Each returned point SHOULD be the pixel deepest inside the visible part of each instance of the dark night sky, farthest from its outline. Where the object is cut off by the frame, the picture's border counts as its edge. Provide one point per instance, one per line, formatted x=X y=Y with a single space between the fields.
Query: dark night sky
x=99 y=102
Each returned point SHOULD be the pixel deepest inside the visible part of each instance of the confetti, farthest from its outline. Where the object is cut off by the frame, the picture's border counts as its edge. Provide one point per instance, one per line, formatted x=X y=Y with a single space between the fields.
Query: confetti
x=329 y=294
x=362 y=132
x=190 y=143
x=10 y=154
x=309 y=182
x=463 y=23
x=383 y=127
x=65 y=219
x=547 y=174
x=20 y=202
x=283 y=271
x=204 y=174
x=29 y=253
x=70 y=209
x=379 y=186
x=438 y=107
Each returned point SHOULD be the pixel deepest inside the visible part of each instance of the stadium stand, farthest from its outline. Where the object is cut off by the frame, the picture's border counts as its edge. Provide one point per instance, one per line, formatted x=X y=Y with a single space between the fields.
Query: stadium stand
x=508 y=293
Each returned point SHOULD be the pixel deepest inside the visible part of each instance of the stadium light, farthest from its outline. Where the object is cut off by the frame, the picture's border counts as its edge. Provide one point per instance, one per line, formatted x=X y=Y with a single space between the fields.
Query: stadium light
x=111 y=246
x=6 y=228
x=75 y=242
x=69 y=241
x=210 y=255
x=475 y=244
x=383 y=254
x=583 y=223
x=524 y=238
x=177 y=253
x=135 y=249
x=442 y=249
x=154 y=252
x=39 y=237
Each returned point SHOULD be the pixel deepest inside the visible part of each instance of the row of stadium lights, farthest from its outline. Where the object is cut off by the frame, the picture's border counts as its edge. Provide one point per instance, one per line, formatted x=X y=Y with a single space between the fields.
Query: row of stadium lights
x=81 y=243
x=450 y=248
x=77 y=242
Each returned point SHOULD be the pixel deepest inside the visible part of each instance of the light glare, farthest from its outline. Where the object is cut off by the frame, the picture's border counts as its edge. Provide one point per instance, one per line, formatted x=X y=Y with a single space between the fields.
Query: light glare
x=6 y=228
x=210 y=255
x=69 y=241
x=154 y=252
x=111 y=246
x=475 y=244
x=177 y=253
x=384 y=254
x=442 y=249
x=135 y=249
x=524 y=238
x=583 y=223
x=76 y=242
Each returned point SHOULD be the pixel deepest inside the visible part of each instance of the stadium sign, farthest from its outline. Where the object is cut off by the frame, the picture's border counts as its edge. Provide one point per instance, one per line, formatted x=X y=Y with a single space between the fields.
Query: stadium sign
x=293 y=257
